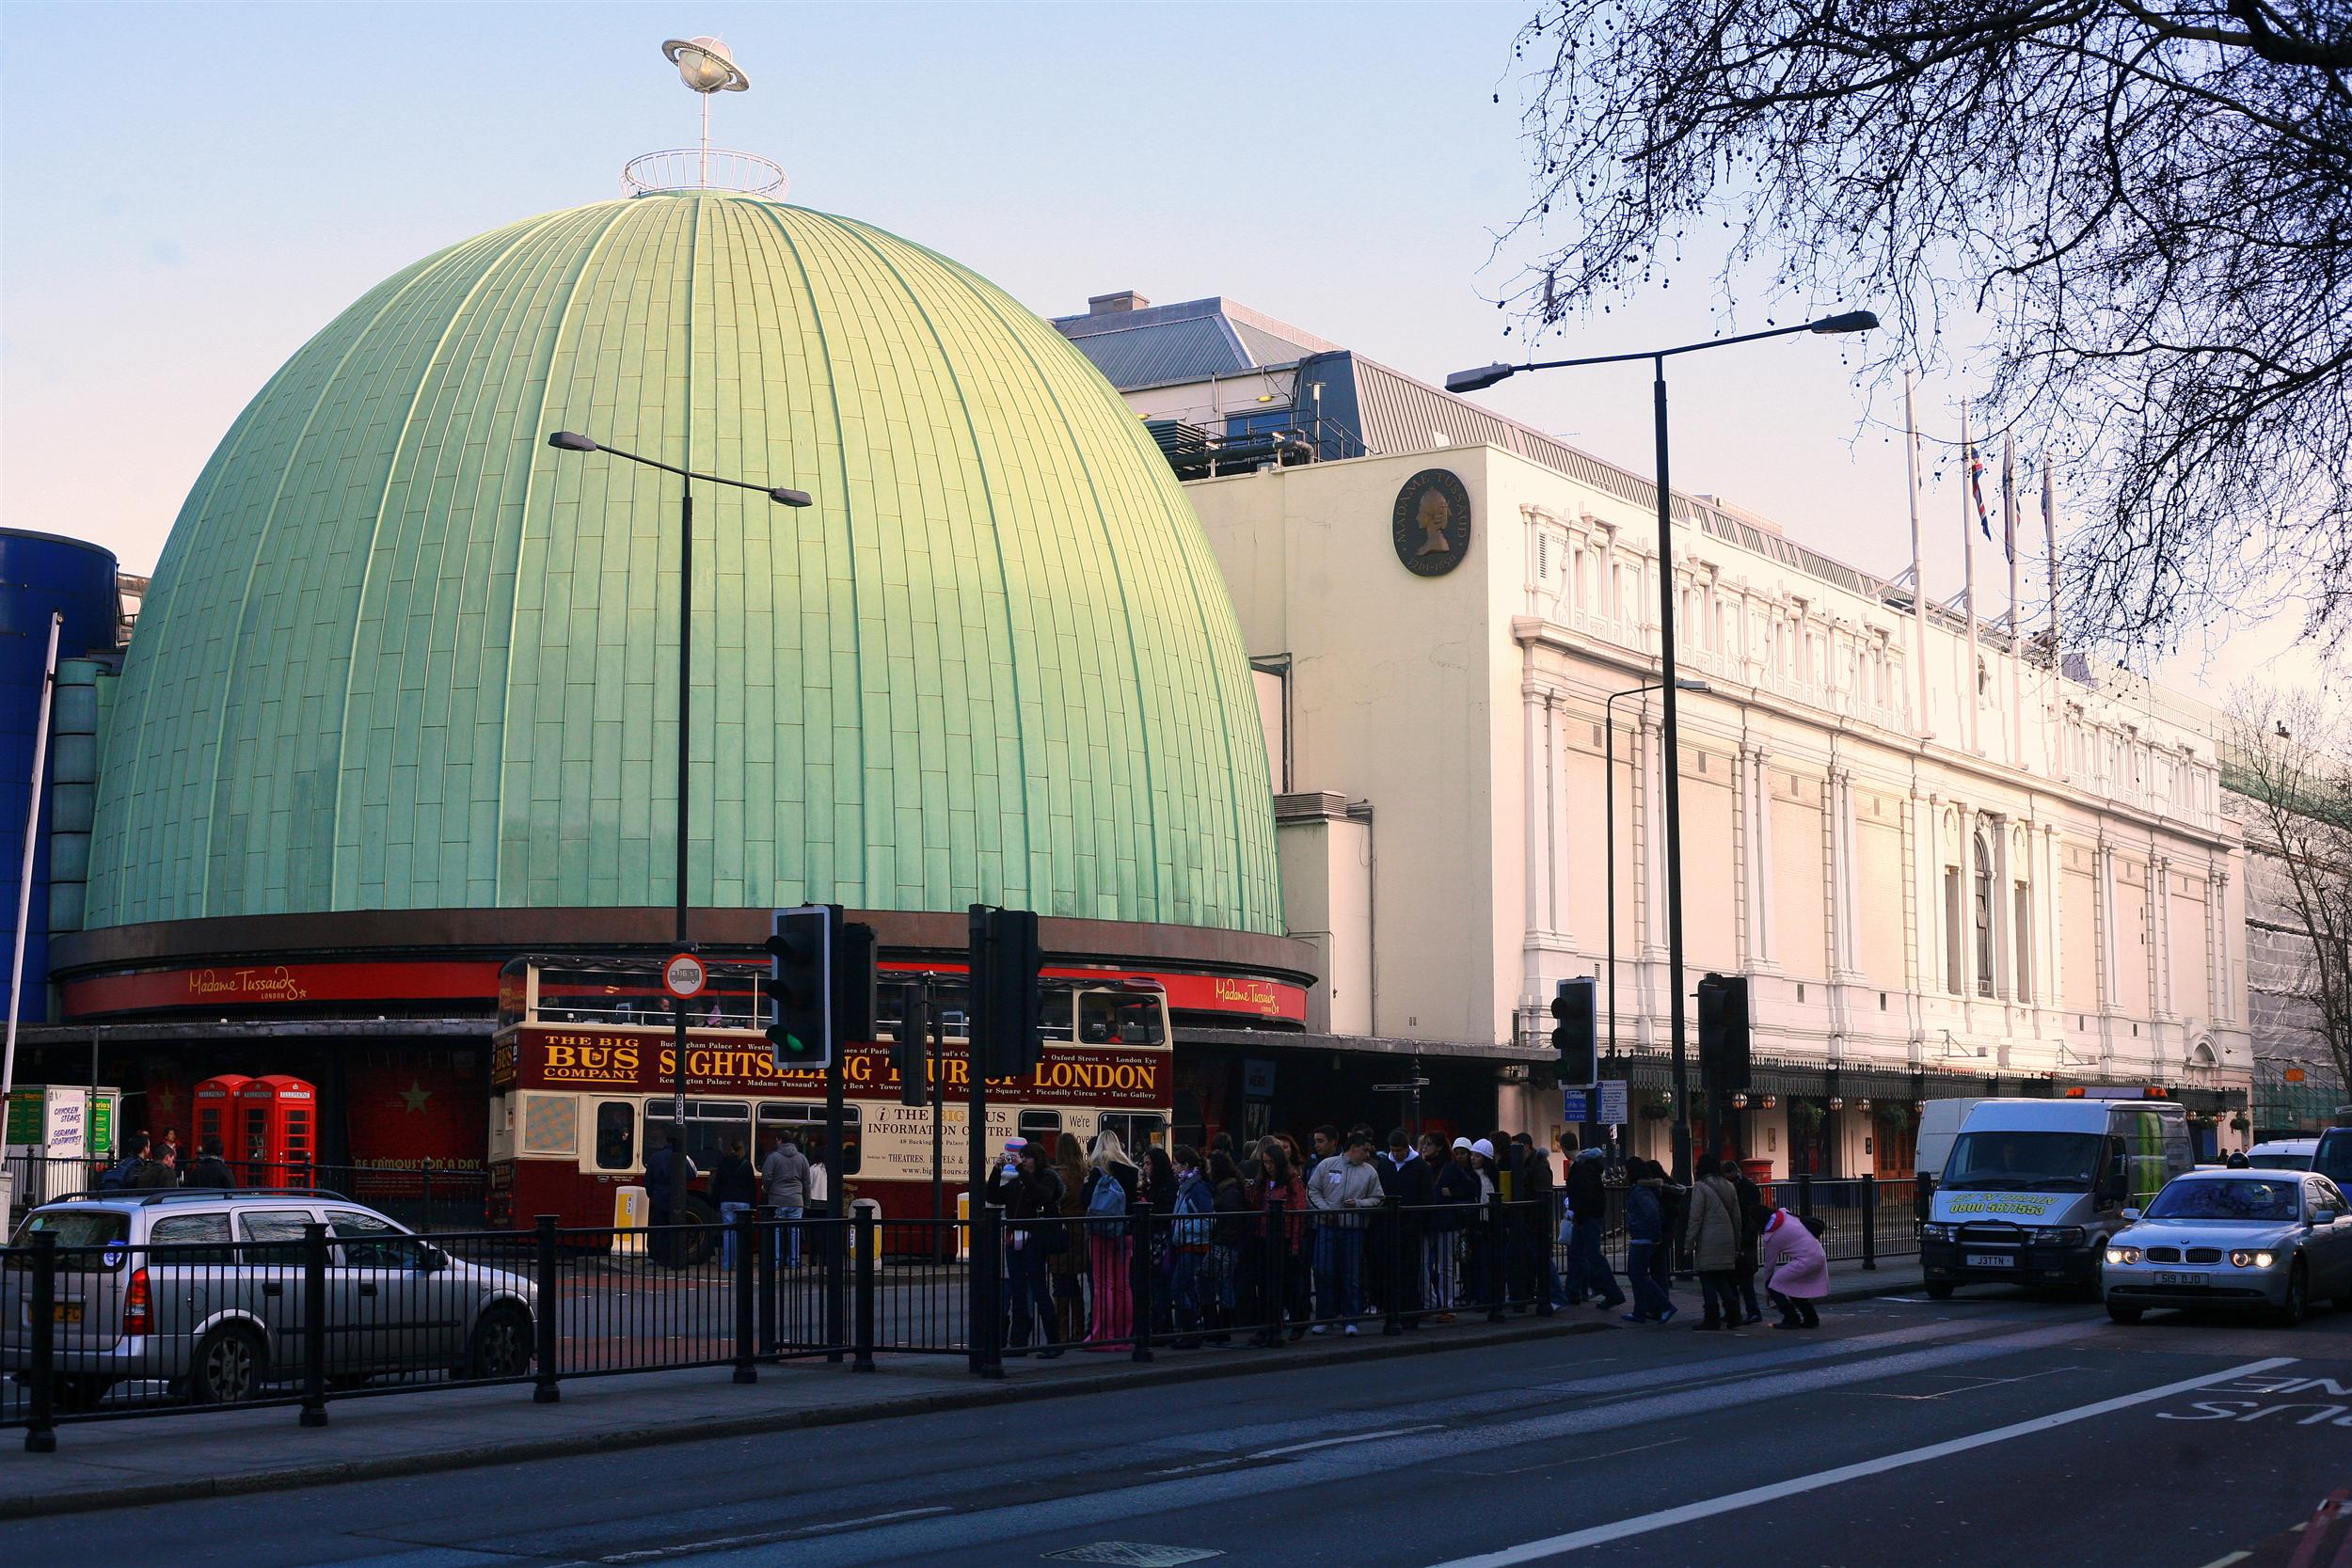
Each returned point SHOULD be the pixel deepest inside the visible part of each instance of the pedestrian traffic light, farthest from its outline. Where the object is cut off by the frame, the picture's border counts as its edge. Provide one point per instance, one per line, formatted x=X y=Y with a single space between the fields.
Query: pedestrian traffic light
x=1005 y=961
x=1572 y=1035
x=911 y=1054
x=799 y=987
x=1723 y=1033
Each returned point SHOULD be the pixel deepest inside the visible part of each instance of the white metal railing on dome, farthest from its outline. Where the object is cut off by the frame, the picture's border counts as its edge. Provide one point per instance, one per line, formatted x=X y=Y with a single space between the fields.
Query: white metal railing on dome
x=703 y=168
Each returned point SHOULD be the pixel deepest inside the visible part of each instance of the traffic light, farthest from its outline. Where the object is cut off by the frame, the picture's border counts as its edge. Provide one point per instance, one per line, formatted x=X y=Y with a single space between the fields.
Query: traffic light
x=912 y=1053
x=1005 y=959
x=799 y=987
x=1724 y=1032
x=854 y=983
x=1572 y=1034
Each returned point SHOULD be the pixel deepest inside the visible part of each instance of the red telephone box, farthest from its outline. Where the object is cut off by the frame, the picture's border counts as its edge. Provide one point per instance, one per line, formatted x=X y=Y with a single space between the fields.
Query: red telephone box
x=277 y=1131
x=215 y=1115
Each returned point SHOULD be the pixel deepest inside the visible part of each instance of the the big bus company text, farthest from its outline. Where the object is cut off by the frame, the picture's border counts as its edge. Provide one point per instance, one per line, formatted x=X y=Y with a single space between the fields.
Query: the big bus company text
x=583 y=1062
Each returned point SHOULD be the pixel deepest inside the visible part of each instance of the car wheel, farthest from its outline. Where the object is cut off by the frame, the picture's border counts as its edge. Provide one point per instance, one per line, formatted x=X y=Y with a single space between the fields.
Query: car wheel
x=78 y=1392
x=2290 y=1311
x=501 y=1346
x=1940 y=1289
x=2123 y=1314
x=228 y=1367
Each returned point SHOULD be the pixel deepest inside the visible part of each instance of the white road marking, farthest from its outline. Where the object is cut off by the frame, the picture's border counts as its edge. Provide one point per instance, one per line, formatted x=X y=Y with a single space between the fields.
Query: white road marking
x=2225 y=1562
x=766 y=1538
x=1342 y=1442
x=1580 y=1459
x=1666 y=1518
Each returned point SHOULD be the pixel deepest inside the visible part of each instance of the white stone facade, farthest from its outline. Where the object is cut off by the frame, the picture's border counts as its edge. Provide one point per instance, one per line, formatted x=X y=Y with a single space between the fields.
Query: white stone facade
x=1941 y=861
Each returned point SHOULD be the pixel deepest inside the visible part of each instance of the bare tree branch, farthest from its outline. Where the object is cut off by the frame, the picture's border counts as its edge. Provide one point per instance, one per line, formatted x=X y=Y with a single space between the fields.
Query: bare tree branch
x=2150 y=204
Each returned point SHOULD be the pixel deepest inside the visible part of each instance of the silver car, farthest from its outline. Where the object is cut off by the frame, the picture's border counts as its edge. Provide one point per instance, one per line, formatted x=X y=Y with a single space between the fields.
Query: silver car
x=2263 y=1240
x=203 y=1292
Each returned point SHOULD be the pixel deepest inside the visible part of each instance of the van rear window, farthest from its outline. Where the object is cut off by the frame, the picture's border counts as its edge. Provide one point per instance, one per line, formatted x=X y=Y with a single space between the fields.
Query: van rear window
x=75 y=1227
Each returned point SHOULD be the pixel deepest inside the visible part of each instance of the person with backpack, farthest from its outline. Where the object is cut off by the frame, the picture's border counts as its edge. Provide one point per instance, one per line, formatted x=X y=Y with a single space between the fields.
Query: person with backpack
x=1190 y=1227
x=1795 y=1270
x=1110 y=1189
x=123 y=1174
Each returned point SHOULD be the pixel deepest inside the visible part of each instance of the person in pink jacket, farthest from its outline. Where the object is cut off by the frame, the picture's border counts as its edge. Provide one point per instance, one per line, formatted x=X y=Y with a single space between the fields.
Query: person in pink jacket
x=1795 y=1270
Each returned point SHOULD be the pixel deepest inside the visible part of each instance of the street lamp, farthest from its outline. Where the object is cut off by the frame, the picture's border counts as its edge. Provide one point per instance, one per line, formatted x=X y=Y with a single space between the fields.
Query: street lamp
x=1470 y=381
x=567 y=440
x=1609 y=821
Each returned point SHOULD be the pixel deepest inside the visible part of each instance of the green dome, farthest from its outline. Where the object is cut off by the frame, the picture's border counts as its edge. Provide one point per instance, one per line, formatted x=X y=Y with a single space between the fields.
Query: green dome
x=398 y=654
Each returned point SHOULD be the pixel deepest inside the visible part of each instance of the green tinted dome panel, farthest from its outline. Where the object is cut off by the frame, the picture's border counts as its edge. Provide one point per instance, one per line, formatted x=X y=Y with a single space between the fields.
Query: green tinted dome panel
x=398 y=654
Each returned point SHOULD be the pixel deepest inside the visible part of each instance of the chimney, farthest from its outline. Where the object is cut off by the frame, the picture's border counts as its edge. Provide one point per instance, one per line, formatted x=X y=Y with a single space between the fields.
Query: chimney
x=1109 y=305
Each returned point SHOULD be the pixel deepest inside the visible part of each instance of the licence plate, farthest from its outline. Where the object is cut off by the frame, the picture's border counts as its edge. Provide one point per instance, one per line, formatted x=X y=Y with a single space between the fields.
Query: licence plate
x=1990 y=1261
x=66 y=1312
x=2166 y=1277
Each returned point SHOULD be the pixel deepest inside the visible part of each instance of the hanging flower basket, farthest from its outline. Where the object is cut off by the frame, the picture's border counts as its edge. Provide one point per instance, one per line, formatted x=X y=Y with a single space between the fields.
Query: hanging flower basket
x=2238 y=1122
x=1894 y=1114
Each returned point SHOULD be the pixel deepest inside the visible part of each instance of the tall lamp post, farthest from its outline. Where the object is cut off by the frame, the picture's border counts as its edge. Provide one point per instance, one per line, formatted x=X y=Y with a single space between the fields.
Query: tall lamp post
x=565 y=440
x=1472 y=381
x=1609 y=821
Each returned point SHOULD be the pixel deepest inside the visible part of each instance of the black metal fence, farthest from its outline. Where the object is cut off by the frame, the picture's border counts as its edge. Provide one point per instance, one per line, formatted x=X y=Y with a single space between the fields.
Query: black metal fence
x=216 y=1305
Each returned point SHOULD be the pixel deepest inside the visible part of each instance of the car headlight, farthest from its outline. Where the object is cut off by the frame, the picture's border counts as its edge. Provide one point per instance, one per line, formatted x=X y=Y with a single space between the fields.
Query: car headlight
x=2059 y=1235
x=2245 y=1259
x=2123 y=1255
x=1935 y=1232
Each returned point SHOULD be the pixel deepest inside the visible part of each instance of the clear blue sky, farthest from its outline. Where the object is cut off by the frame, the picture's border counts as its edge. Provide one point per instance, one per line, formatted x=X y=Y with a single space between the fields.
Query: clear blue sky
x=188 y=192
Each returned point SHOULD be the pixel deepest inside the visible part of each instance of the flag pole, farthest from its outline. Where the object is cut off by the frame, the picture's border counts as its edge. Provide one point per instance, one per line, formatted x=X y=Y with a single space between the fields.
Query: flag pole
x=2017 y=623
x=2049 y=543
x=1918 y=570
x=1968 y=571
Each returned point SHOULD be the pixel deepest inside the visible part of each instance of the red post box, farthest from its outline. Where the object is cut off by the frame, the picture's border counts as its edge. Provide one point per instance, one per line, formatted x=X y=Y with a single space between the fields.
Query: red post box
x=277 y=1130
x=214 y=1113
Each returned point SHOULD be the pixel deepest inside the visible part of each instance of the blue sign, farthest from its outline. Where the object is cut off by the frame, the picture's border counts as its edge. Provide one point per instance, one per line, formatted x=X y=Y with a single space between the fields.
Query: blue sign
x=1572 y=1107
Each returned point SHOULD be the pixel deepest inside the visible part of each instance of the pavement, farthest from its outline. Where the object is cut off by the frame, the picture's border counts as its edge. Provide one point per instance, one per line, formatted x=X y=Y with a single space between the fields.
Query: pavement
x=182 y=1455
x=1993 y=1428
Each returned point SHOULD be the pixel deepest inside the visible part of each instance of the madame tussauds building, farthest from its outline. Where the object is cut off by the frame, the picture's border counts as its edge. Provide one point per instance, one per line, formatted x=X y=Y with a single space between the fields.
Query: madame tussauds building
x=401 y=712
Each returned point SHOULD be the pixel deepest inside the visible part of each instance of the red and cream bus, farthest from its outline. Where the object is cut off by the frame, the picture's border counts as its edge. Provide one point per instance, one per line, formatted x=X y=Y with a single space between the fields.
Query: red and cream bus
x=581 y=1085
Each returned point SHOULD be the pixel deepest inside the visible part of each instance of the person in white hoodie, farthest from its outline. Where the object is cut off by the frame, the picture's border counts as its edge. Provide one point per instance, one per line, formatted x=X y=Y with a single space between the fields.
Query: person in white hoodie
x=1340 y=1190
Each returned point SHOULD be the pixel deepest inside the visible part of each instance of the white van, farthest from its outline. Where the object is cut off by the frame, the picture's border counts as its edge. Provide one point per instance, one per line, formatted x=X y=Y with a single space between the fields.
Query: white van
x=2033 y=1188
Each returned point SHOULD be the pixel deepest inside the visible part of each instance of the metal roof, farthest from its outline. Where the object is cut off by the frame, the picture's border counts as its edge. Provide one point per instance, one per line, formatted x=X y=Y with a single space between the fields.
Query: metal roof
x=1193 y=340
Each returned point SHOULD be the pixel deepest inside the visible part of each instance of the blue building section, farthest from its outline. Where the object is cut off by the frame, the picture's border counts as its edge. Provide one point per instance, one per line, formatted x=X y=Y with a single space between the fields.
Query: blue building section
x=40 y=573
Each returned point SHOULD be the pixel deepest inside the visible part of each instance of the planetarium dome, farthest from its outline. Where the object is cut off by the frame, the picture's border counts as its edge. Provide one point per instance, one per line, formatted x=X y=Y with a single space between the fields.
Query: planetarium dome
x=400 y=655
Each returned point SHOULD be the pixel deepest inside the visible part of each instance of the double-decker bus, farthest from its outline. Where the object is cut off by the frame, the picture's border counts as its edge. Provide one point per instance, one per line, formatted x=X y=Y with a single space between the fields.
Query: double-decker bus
x=581 y=1083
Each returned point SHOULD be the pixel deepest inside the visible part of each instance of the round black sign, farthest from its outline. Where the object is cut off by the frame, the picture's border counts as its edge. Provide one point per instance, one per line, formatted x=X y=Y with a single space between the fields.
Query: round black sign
x=1432 y=524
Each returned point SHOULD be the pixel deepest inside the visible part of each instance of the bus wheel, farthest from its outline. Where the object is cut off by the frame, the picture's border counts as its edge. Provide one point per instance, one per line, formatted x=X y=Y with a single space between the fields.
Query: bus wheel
x=698 y=1244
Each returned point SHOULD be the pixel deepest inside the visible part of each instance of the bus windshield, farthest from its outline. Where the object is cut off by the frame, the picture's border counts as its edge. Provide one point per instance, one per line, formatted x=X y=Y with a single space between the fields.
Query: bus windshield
x=2023 y=1163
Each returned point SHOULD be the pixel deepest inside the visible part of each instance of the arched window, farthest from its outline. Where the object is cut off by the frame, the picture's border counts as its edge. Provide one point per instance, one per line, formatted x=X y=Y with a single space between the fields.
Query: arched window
x=1984 y=918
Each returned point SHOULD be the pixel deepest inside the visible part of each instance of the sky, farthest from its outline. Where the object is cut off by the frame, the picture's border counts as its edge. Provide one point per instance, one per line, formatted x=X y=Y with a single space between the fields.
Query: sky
x=188 y=192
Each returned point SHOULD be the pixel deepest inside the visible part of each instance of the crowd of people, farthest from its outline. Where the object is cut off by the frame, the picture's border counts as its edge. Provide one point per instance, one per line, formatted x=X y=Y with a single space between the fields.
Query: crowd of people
x=149 y=1164
x=1198 y=1248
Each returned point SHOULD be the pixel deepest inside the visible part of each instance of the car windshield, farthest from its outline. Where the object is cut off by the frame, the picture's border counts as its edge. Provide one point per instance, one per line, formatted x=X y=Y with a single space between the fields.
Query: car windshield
x=2023 y=1163
x=2247 y=1199
x=2280 y=1162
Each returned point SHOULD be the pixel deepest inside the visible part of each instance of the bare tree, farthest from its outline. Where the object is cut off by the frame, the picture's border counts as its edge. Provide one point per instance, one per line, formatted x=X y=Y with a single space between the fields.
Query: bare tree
x=2144 y=210
x=2288 y=760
